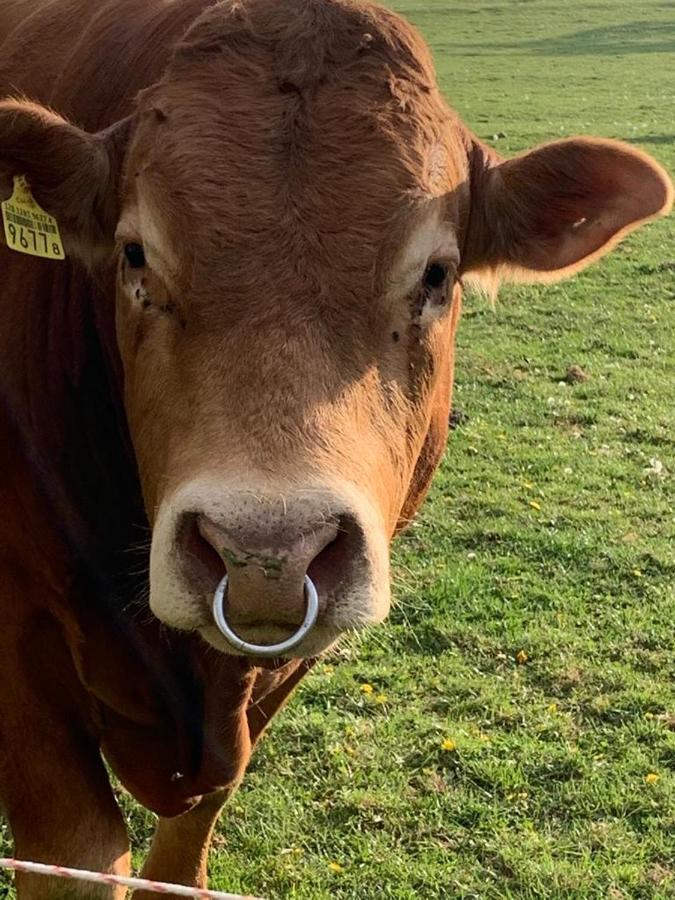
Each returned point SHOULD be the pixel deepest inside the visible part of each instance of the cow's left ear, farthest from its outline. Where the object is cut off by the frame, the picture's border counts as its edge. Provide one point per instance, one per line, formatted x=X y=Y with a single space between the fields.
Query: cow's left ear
x=73 y=175
x=550 y=212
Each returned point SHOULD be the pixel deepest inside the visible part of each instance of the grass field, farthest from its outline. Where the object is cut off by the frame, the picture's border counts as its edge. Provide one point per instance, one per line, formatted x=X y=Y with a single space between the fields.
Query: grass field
x=511 y=731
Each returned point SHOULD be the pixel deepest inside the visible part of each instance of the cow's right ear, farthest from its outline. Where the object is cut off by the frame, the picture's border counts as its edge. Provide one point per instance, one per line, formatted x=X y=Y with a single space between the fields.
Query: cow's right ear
x=73 y=175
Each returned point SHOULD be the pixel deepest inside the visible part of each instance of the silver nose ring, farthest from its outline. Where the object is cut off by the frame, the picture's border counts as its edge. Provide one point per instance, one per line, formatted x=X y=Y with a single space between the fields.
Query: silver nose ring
x=311 y=615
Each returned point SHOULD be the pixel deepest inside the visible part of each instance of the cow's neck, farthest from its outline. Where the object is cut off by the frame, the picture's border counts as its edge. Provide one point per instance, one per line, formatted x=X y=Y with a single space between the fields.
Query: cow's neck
x=68 y=470
x=62 y=391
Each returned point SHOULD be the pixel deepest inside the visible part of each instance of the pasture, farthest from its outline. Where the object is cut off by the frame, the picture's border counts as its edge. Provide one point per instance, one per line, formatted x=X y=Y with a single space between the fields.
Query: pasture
x=510 y=733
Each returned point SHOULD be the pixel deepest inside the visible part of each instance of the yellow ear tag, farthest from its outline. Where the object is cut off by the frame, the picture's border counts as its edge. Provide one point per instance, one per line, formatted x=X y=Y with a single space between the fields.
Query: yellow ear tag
x=28 y=228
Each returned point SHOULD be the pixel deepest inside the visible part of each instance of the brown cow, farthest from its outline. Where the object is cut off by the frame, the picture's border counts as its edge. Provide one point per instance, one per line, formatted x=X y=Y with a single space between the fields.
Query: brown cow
x=244 y=366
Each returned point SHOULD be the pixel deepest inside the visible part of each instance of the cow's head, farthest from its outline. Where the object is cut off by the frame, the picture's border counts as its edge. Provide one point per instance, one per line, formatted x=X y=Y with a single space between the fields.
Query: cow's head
x=291 y=213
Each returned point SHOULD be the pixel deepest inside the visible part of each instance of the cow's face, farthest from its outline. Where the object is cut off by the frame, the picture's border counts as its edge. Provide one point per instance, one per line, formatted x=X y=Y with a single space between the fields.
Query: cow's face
x=298 y=210
x=288 y=292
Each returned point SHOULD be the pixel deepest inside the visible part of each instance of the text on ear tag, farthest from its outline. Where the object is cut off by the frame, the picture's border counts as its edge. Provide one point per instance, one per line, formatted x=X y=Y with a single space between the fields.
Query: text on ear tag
x=28 y=228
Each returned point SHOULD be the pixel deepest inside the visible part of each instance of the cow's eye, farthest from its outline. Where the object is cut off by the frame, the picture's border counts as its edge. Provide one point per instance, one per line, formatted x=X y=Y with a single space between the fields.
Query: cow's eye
x=135 y=255
x=436 y=275
x=434 y=294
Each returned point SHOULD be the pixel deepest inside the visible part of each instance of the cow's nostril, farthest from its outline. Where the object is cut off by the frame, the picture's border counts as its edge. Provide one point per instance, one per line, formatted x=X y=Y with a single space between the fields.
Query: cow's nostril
x=207 y=563
x=339 y=559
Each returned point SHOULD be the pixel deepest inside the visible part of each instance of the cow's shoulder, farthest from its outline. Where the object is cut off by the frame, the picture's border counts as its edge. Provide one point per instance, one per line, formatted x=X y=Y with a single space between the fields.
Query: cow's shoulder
x=86 y=58
x=36 y=39
x=12 y=13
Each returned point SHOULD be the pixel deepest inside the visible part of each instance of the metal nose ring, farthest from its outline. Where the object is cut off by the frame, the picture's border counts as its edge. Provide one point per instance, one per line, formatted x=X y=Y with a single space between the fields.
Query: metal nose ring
x=267 y=650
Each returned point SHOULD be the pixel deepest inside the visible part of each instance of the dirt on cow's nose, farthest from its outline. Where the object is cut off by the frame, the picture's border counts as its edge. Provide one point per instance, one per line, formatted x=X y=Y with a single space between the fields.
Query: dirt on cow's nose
x=266 y=567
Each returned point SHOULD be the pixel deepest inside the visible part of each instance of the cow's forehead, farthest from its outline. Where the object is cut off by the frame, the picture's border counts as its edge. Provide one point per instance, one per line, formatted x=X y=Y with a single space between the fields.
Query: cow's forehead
x=427 y=228
x=310 y=183
x=247 y=149
x=363 y=216
x=308 y=41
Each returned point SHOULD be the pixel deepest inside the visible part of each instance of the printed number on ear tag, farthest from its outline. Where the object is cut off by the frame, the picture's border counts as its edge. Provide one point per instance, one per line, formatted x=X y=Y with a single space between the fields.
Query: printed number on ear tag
x=28 y=228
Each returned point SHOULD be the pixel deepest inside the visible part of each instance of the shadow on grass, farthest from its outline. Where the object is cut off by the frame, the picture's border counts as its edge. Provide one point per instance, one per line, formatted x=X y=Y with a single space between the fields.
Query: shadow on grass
x=652 y=139
x=612 y=40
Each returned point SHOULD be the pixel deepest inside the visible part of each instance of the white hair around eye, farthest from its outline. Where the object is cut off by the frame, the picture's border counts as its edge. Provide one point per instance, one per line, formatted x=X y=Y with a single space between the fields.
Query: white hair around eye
x=141 y=223
x=427 y=264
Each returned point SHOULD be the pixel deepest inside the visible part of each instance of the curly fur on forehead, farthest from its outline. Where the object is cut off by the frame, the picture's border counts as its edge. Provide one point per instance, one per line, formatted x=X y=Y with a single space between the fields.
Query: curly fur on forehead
x=310 y=38
x=305 y=129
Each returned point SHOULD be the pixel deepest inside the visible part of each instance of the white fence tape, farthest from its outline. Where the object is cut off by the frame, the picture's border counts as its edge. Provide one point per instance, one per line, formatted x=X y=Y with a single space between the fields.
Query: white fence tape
x=155 y=887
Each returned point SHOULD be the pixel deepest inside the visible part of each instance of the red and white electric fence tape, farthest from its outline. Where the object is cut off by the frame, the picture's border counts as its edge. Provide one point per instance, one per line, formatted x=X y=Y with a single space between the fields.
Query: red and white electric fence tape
x=156 y=887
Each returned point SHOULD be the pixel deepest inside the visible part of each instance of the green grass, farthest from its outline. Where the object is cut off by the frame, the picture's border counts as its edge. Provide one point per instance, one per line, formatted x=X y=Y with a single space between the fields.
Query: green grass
x=535 y=604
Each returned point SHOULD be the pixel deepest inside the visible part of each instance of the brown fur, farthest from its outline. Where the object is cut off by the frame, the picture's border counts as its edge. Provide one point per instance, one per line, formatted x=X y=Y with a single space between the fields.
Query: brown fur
x=288 y=149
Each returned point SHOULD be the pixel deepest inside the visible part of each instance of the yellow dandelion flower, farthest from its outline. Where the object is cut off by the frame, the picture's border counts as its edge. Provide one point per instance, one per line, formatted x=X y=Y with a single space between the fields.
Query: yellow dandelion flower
x=381 y=698
x=553 y=707
x=335 y=867
x=448 y=744
x=535 y=505
x=367 y=689
x=522 y=657
x=652 y=777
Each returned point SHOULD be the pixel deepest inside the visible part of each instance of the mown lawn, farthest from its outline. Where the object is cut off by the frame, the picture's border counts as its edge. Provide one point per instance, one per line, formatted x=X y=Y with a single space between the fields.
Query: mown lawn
x=511 y=732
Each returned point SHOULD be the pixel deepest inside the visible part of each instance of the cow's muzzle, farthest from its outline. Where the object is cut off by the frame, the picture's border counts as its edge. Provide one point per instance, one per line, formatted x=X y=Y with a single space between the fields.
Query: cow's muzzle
x=270 y=571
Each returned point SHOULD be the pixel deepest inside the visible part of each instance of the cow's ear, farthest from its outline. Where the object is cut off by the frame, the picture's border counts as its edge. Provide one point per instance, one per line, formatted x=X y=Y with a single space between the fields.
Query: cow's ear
x=550 y=212
x=73 y=175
